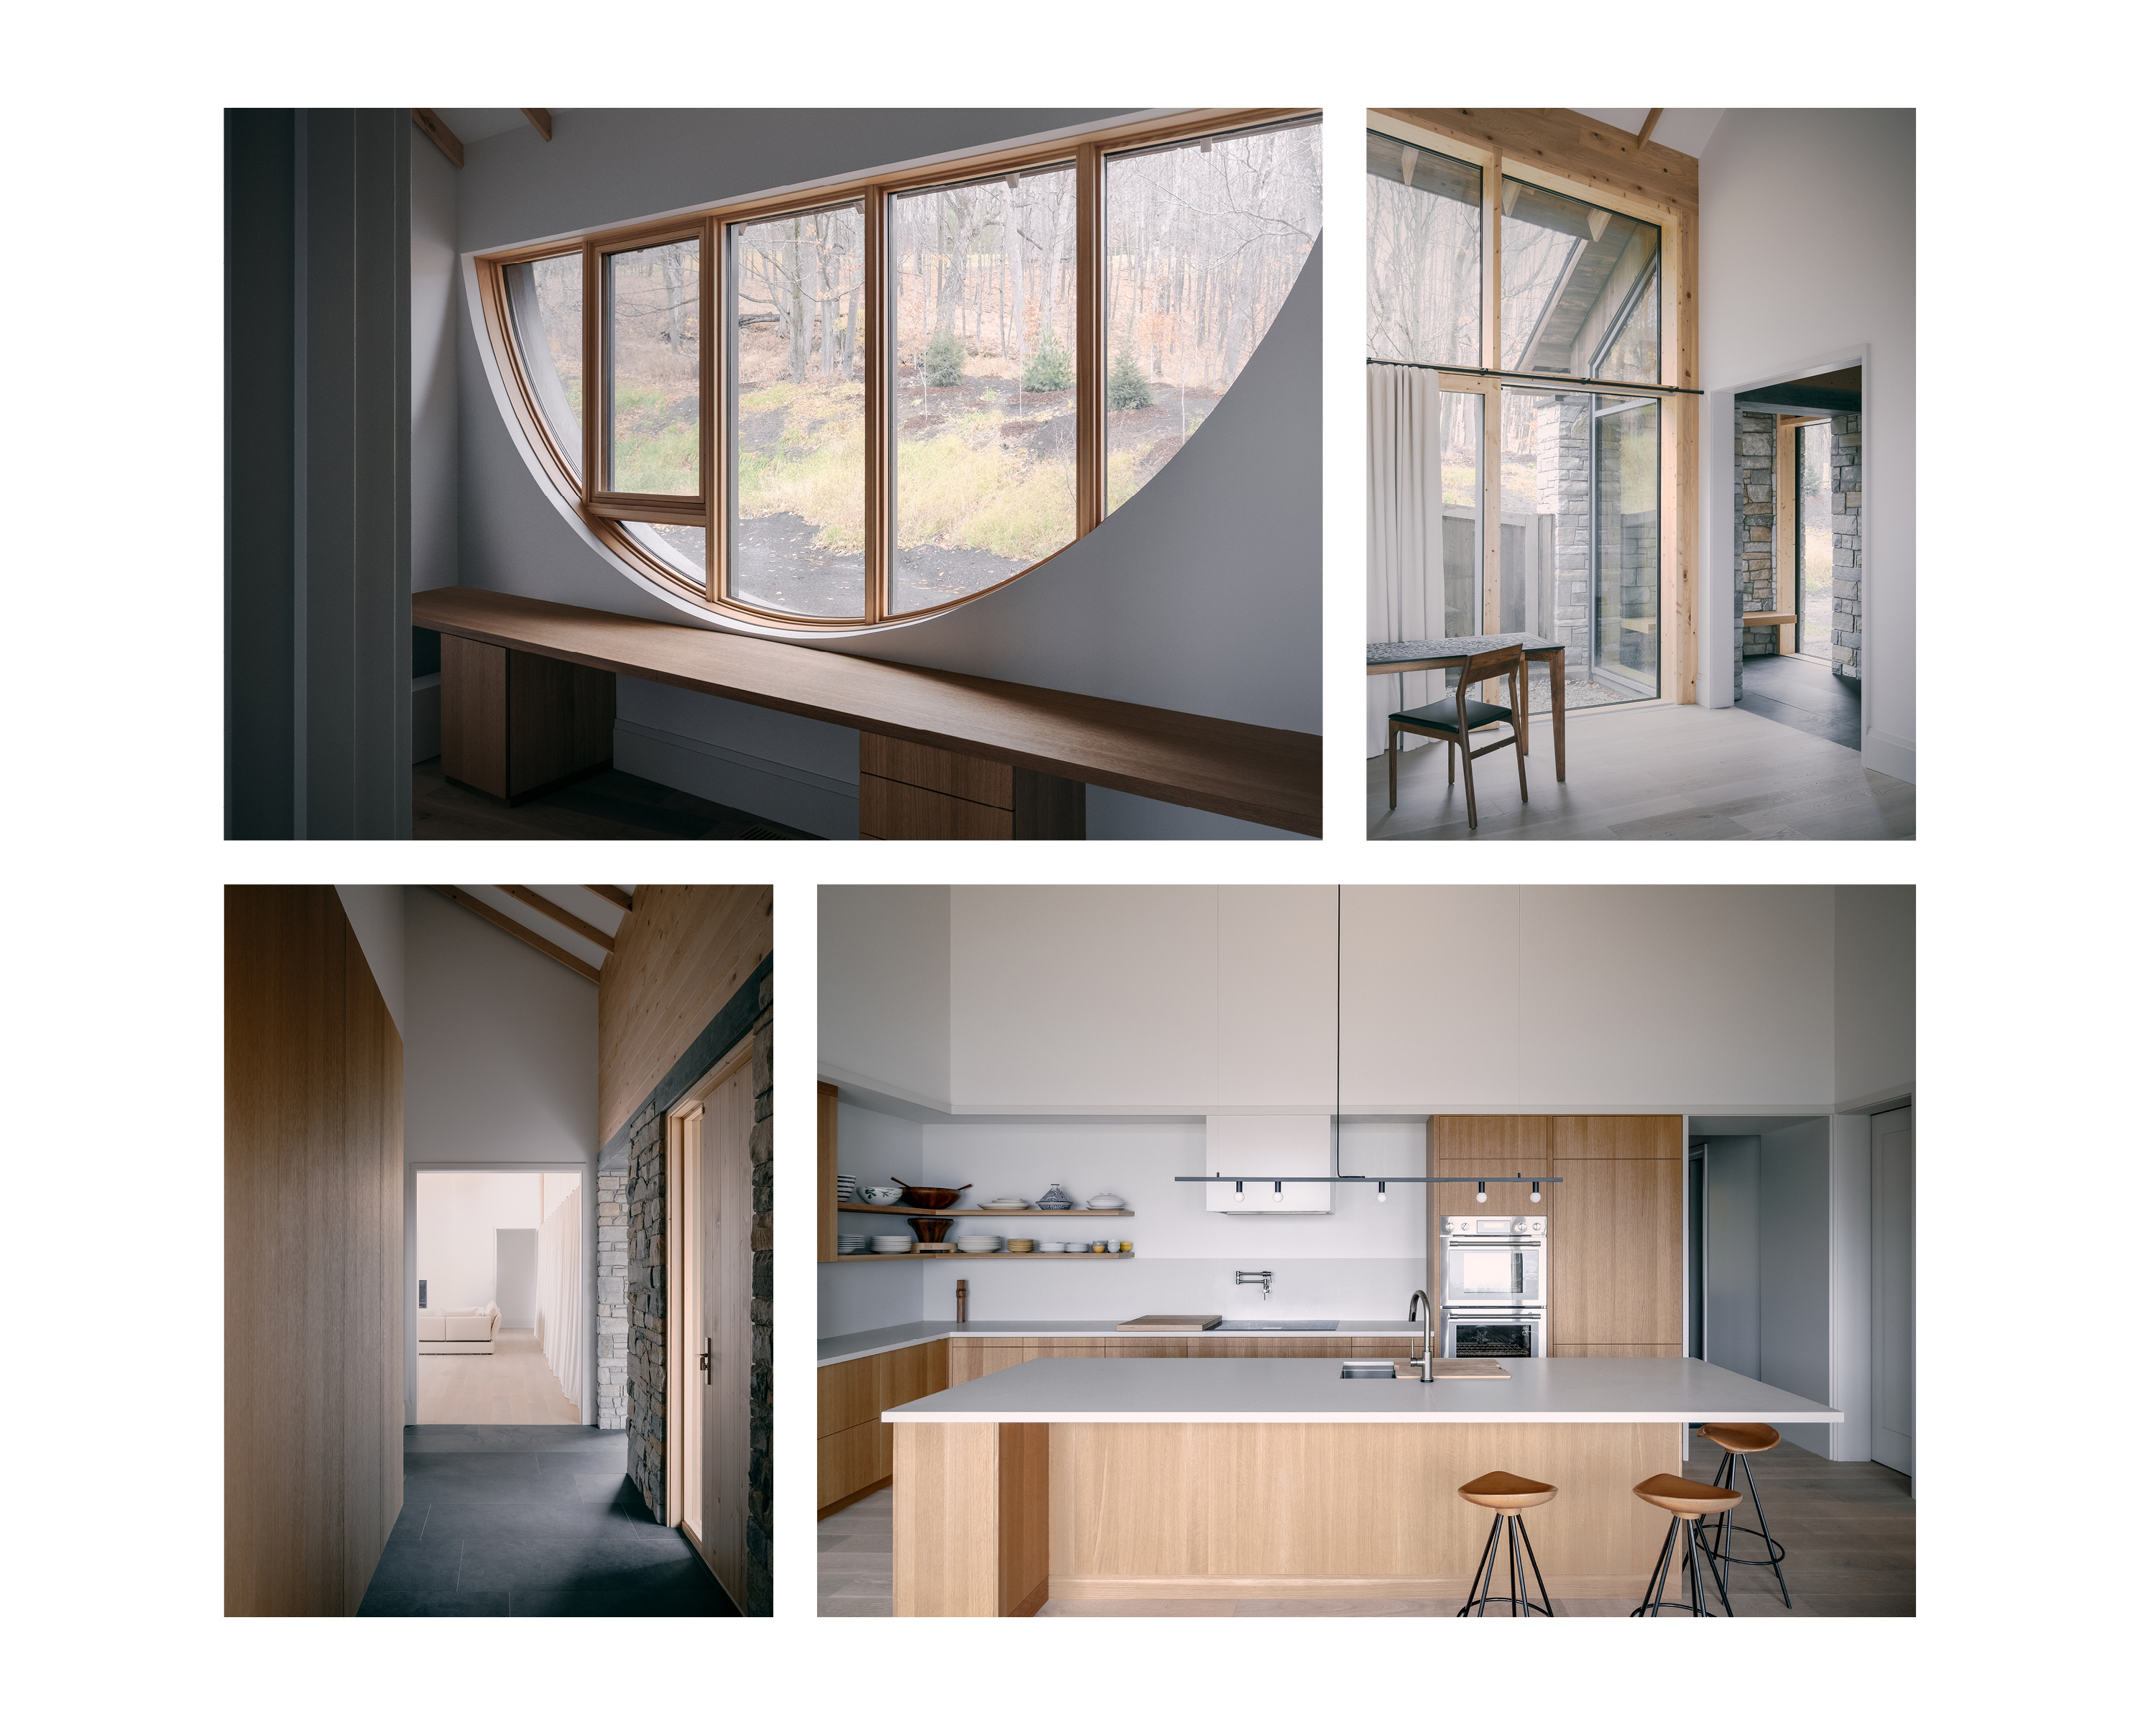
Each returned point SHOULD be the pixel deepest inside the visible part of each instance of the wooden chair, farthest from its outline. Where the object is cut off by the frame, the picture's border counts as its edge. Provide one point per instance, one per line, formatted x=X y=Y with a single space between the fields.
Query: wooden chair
x=1507 y=1494
x=1450 y=721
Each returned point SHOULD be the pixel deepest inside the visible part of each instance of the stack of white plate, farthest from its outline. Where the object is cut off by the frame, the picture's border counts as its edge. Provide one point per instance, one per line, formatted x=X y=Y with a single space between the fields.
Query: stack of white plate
x=853 y=1243
x=977 y=1242
x=1006 y=1204
x=1048 y=1245
x=893 y=1242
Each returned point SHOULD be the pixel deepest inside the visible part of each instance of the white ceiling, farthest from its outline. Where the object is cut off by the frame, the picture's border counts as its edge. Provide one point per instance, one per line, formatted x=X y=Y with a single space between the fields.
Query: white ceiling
x=470 y=124
x=1684 y=129
x=579 y=901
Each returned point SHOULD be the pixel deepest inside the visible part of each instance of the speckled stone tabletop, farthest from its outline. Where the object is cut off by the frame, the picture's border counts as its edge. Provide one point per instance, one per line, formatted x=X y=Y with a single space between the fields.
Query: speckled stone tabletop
x=1378 y=653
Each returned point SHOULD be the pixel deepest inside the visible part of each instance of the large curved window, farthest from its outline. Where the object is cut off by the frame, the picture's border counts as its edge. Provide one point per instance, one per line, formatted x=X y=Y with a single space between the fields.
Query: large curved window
x=879 y=399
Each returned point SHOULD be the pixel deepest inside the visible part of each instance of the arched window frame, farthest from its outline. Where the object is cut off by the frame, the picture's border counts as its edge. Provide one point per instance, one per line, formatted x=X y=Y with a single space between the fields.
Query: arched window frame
x=607 y=515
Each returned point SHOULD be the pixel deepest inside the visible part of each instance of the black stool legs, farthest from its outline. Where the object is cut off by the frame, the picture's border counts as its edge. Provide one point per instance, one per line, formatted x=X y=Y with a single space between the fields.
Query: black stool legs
x=1485 y=1573
x=1716 y=1540
x=1694 y=1561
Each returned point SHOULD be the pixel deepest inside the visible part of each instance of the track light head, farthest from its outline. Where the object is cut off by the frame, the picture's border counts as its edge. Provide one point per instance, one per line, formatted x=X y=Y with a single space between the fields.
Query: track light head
x=1481 y=1195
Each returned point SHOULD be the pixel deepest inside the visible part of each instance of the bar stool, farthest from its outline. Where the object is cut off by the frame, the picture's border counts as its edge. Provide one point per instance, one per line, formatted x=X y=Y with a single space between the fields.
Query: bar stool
x=1686 y=1501
x=1507 y=1494
x=1741 y=1443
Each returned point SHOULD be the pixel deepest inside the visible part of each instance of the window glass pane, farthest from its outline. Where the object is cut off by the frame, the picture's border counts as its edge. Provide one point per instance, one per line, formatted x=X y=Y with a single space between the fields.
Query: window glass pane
x=799 y=413
x=1572 y=272
x=546 y=313
x=1635 y=353
x=1202 y=241
x=681 y=549
x=984 y=444
x=1814 y=544
x=1554 y=540
x=1425 y=254
x=1628 y=547
x=654 y=349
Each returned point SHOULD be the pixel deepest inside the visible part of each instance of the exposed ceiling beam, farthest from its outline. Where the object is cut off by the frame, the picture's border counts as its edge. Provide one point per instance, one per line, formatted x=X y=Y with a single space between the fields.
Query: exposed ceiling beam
x=613 y=896
x=447 y=141
x=509 y=926
x=542 y=122
x=1646 y=131
x=547 y=907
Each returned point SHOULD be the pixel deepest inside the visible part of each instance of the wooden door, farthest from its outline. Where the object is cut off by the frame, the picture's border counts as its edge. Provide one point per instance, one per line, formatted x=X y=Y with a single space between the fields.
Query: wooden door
x=727 y=1206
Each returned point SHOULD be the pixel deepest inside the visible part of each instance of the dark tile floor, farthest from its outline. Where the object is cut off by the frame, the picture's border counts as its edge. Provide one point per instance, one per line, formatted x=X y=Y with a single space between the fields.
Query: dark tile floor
x=531 y=1521
x=1803 y=694
x=607 y=805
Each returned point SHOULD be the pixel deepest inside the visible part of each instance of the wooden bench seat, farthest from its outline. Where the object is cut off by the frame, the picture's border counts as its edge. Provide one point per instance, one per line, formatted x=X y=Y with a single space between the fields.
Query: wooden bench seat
x=543 y=727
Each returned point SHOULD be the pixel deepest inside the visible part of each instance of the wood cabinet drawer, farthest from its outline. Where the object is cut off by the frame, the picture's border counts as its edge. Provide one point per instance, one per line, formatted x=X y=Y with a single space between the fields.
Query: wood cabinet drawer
x=851 y=1460
x=845 y=1394
x=1616 y=1350
x=966 y=776
x=1146 y=1348
x=891 y=810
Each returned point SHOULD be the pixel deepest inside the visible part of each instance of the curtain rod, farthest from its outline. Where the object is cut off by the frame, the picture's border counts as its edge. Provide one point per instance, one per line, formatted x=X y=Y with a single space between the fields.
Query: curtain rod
x=1380 y=1180
x=1600 y=386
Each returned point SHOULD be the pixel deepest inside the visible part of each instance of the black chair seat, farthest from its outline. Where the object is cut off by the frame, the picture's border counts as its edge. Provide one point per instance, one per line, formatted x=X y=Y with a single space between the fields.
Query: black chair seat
x=1443 y=715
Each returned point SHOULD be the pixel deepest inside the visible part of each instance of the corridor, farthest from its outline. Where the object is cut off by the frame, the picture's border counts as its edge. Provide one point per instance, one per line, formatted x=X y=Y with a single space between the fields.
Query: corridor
x=531 y=1521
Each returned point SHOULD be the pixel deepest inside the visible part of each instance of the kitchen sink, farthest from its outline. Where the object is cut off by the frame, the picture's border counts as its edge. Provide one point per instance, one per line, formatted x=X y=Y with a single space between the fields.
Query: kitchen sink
x=1367 y=1369
x=1243 y=1325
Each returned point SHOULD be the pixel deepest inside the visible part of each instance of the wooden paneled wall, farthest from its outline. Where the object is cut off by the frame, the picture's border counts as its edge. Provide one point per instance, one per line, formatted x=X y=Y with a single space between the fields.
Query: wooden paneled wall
x=314 y=1257
x=678 y=957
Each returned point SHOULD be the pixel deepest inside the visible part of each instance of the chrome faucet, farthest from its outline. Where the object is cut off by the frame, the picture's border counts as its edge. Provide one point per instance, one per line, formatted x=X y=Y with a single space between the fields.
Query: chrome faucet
x=1243 y=1278
x=1422 y=1300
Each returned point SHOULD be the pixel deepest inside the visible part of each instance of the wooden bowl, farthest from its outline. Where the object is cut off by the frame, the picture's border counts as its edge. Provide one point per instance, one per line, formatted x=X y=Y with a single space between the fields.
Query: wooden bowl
x=934 y=1198
x=931 y=1228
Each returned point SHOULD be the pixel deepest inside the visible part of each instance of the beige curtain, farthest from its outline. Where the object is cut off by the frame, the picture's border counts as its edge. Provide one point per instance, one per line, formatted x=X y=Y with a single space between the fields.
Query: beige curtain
x=1406 y=593
x=561 y=1286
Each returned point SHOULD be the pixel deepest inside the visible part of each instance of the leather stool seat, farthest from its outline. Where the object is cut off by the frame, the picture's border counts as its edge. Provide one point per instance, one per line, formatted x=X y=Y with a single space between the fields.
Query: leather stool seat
x=1688 y=1500
x=1742 y=1439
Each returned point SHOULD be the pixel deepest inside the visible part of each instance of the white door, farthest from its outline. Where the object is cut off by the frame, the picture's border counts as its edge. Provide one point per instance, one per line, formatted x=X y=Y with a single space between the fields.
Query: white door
x=1894 y=1291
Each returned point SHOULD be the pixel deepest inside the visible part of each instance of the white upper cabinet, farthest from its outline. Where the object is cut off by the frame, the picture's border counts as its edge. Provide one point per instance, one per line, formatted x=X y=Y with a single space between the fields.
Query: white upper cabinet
x=1076 y=997
x=1430 y=976
x=1276 y=997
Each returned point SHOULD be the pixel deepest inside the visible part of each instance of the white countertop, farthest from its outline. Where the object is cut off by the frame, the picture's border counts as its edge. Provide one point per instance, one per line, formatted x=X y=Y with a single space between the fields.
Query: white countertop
x=836 y=1350
x=1312 y=1392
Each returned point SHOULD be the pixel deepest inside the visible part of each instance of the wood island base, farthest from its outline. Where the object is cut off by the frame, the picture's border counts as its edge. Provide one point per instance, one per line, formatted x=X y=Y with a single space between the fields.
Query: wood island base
x=994 y=1519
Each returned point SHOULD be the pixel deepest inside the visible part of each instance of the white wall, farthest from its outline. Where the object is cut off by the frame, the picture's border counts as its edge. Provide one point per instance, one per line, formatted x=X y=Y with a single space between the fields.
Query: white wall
x=877 y=1150
x=376 y=916
x=459 y=1214
x=883 y=989
x=1731 y=1287
x=501 y=1067
x=1795 y=1254
x=1232 y=631
x=1362 y=1261
x=1849 y=1237
x=1808 y=262
x=1875 y=993
x=437 y=327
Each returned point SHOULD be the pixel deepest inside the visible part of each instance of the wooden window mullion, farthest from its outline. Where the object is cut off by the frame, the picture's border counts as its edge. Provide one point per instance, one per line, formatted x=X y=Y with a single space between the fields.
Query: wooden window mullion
x=876 y=523
x=1092 y=396
x=1493 y=398
x=716 y=418
x=595 y=371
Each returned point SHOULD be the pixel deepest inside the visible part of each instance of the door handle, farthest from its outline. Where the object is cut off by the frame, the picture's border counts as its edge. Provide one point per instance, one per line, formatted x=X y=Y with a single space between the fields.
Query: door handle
x=704 y=1364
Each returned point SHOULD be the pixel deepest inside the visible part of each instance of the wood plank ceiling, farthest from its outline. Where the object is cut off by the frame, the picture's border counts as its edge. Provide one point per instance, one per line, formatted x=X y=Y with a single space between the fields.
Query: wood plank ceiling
x=574 y=925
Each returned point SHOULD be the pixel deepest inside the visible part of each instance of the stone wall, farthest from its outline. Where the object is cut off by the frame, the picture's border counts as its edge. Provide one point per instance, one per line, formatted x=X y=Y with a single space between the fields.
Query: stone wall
x=1847 y=430
x=1755 y=535
x=1563 y=481
x=644 y=1204
x=613 y=1302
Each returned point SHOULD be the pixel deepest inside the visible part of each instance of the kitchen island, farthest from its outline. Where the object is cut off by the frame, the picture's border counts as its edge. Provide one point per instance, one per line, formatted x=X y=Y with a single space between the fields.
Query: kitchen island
x=1277 y=1478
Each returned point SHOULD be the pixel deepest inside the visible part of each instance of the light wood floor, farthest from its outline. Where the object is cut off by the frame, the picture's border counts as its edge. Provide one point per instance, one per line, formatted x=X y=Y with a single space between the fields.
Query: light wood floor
x=511 y=1386
x=1849 y=1528
x=1653 y=772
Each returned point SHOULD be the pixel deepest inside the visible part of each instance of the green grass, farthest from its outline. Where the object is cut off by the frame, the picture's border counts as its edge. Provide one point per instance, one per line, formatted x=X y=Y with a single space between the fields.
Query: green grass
x=981 y=498
x=650 y=456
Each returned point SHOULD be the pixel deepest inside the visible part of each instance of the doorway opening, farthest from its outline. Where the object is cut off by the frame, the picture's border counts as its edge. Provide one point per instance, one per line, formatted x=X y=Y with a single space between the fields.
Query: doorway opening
x=711 y=1211
x=501 y=1316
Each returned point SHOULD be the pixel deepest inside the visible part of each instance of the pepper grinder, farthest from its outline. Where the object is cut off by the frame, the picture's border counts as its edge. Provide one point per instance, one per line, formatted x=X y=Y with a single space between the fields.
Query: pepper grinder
x=962 y=1299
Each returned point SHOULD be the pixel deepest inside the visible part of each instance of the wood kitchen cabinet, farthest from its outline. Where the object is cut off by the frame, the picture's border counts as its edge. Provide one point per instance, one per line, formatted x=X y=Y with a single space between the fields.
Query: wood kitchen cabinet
x=1617 y=1251
x=826 y=1173
x=1616 y=1211
x=972 y=1358
x=853 y=1444
x=1616 y=1350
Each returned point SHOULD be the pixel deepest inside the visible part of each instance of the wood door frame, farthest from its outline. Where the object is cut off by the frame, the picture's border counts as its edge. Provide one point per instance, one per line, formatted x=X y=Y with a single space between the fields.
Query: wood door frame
x=688 y=1106
x=587 y=1174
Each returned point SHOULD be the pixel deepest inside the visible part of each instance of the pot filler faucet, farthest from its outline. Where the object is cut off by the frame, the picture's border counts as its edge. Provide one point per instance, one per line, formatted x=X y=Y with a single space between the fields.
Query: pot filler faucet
x=1263 y=1278
x=1422 y=1300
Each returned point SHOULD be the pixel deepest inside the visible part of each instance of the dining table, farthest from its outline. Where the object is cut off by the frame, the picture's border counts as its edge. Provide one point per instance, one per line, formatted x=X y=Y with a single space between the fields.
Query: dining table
x=1381 y=659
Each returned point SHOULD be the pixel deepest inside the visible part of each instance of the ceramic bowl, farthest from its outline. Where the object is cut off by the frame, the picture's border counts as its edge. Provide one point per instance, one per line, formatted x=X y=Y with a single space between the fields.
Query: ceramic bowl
x=878 y=1194
x=1018 y=1245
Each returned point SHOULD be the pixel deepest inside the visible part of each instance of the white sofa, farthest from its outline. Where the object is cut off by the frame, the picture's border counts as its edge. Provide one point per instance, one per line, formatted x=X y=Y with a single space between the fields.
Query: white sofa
x=469 y=1330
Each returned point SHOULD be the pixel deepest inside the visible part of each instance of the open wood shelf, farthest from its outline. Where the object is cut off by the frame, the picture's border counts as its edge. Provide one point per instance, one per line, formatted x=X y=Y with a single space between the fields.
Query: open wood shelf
x=899 y=1209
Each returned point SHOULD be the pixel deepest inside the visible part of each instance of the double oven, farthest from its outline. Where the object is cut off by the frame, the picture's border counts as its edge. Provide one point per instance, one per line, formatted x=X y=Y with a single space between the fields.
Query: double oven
x=1493 y=1272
